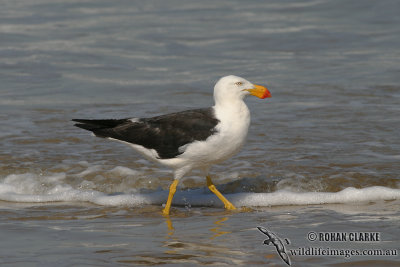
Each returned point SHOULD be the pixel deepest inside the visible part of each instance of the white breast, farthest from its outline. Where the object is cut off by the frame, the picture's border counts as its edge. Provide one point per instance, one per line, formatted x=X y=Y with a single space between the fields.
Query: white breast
x=230 y=136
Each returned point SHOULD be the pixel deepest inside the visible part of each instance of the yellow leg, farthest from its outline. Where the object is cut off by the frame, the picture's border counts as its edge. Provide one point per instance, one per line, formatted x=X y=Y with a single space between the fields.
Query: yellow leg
x=172 y=190
x=211 y=186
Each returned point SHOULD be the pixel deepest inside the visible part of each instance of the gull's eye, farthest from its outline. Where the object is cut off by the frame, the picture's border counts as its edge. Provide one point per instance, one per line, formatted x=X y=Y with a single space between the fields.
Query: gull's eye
x=239 y=83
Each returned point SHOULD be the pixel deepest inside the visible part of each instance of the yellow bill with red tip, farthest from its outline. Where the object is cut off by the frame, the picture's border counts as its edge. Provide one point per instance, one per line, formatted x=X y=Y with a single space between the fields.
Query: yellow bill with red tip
x=259 y=91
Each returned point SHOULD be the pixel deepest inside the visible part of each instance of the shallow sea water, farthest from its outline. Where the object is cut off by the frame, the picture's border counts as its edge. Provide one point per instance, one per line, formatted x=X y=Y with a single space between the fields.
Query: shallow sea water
x=323 y=154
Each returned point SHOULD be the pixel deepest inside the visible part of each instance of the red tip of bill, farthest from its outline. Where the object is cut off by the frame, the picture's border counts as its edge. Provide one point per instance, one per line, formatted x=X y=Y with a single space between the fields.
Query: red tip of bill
x=266 y=94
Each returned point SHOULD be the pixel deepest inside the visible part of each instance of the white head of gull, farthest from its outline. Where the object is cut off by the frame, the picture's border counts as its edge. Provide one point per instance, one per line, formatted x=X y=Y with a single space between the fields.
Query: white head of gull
x=191 y=139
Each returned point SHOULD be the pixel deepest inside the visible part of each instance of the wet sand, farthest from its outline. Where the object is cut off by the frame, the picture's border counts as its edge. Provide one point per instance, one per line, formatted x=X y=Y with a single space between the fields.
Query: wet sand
x=66 y=234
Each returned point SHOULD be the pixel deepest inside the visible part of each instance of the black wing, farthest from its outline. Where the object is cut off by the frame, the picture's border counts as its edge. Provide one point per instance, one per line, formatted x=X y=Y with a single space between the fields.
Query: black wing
x=164 y=133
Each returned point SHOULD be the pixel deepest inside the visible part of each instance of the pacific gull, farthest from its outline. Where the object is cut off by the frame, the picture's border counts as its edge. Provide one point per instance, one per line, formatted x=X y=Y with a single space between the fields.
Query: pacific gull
x=191 y=139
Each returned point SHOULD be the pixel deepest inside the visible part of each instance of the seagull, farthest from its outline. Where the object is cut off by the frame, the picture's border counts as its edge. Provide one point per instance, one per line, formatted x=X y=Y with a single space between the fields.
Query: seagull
x=191 y=139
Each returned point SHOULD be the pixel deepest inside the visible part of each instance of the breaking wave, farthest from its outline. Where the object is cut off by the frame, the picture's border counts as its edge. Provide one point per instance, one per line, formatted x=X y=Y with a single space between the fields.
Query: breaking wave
x=33 y=188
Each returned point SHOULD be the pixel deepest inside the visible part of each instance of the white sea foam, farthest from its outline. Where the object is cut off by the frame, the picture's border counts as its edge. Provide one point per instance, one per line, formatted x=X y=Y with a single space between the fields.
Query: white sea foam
x=90 y=170
x=39 y=188
x=123 y=171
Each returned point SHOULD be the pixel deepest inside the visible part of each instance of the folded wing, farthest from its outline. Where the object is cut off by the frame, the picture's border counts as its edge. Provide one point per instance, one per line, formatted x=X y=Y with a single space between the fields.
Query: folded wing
x=165 y=134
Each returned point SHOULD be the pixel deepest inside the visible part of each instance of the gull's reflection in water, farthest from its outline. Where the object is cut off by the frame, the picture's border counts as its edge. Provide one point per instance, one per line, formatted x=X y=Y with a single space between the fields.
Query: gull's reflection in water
x=170 y=227
x=218 y=230
x=171 y=241
x=184 y=245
